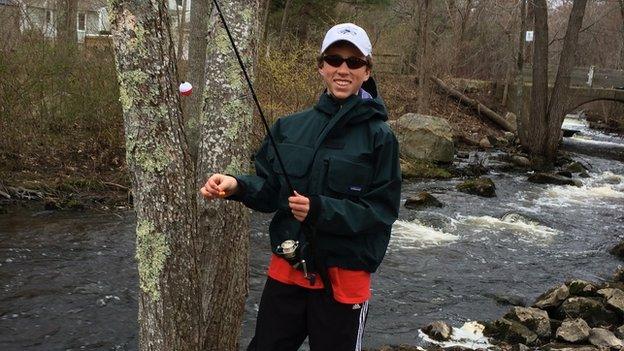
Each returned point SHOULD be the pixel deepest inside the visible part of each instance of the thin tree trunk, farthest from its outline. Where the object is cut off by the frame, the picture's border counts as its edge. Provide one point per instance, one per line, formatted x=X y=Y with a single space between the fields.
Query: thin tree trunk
x=202 y=19
x=539 y=92
x=620 y=64
x=170 y=297
x=265 y=20
x=558 y=102
x=284 y=20
x=225 y=129
x=423 y=61
x=66 y=25
x=181 y=29
x=520 y=115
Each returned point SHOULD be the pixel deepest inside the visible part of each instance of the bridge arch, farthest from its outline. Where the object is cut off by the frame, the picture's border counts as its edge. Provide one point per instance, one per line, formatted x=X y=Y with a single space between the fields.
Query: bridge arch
x=578 y=104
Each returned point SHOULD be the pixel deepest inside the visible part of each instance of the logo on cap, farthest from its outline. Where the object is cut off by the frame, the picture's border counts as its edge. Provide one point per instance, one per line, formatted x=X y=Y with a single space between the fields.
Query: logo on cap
x=347 y=31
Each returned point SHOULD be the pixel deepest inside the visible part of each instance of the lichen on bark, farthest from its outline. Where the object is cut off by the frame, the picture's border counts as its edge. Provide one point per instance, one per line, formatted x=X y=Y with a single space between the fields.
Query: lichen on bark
x=152 y=250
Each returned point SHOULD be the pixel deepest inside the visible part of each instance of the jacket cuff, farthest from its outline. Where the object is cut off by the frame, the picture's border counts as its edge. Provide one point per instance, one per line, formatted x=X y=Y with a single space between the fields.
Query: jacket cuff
x=239 y=195
x=315 y=210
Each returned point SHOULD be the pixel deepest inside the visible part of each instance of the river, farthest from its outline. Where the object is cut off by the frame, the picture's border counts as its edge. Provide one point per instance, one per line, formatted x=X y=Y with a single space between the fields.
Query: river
x=69 y=281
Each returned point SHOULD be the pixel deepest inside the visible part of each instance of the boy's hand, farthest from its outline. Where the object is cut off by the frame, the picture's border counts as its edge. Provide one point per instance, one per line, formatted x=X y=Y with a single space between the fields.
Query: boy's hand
x=219 y=186
x=299 y=206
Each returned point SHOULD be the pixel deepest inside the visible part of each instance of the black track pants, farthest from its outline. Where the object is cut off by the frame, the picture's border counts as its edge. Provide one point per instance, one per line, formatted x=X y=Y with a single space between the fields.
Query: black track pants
x=289 y=313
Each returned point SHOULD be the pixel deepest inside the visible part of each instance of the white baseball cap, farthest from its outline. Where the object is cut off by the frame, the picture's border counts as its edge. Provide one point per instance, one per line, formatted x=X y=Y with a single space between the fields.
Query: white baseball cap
x=351 y=33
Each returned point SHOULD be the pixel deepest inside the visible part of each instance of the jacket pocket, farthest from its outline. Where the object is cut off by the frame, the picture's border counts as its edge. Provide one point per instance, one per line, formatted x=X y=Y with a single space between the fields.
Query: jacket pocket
x=296 y=158
x=350 y=178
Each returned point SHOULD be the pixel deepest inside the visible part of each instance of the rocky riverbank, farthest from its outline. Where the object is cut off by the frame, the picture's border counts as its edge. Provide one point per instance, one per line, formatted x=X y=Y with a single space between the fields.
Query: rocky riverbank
x=575 y=316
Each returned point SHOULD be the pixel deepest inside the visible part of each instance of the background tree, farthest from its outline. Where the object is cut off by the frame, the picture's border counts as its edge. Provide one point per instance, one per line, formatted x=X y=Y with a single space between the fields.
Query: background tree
x=66 y=23
x=192 y=261
x=424 y=71
x=546 y=114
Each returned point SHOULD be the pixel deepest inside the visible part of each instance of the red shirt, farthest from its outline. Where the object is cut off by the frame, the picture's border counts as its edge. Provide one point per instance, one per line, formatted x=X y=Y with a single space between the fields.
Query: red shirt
x=349 y=287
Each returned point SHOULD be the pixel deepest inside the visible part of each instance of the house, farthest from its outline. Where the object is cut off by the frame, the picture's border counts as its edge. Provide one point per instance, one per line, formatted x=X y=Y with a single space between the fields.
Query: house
x=42 y=15
x=92 y=23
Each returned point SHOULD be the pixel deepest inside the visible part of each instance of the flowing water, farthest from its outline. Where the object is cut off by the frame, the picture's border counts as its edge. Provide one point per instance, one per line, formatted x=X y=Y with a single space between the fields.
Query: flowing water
x=68 y=280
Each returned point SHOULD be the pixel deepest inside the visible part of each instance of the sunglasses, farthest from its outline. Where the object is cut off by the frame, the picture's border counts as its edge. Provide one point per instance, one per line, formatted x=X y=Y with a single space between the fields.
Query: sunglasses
x=337 y=60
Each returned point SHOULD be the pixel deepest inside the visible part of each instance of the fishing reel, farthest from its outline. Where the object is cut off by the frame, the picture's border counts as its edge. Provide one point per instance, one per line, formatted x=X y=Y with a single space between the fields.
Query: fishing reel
x=291 y=251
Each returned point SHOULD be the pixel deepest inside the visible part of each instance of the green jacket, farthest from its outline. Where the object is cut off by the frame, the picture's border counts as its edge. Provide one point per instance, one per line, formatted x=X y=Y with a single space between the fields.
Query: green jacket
x=345 y=158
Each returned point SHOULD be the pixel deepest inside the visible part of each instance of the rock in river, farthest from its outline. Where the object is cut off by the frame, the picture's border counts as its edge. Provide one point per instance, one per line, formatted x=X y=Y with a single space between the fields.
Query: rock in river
x=482 y=186
x=422 y=200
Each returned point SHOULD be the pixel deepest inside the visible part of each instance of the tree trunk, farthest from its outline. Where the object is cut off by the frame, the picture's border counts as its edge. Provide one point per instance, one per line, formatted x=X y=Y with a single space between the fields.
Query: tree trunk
x=520 y=115
x=423 y=60
x=558 y=100
x=225 y=124
x=474 y=104
x=620 y=64
x=181 y=30
x=539 y=92
x=202 y=19
x=66 y=24
x=265 y=20
x=192 y=262
x=162 y=180
x=284 y=20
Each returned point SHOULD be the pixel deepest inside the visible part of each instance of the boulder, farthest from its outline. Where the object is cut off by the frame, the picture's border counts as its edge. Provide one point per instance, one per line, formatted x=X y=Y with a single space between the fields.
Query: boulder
x=438 y=330
x=564 y=174
x=425 y=137
x=485 y=143
x=619 y=332
x=618 y=250
x=584 y=174
x=603 y=338
x=422 y=169
x=552 y=298
x=512 y=119
x=618 y=276
x=567 y=347
x=550 y=178
x=422 y=200
x=614 y=298
x=511 y=137
x=582 y=288
x=574 y=167
x=510 y=331
x=533 y=318
x=573 y=330
x=520 y=161
x=592 y=310
x=501 y=141
x=482 y=186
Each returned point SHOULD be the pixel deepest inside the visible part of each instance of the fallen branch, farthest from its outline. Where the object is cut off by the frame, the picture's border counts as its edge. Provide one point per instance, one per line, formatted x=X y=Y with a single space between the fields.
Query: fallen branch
x=474 y=104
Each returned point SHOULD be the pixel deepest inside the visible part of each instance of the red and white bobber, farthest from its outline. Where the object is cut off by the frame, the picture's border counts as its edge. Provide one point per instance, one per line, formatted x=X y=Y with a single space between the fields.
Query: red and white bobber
x=186 y=89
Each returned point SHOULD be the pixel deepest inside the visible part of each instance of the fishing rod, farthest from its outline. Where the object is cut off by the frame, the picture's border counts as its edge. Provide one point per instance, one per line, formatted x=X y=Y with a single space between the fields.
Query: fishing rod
x=255 y=98
x=308 y=231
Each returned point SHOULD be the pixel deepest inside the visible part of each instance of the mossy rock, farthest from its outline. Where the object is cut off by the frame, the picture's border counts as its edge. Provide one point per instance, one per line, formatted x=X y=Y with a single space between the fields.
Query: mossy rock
x=423 y=169
x=482 y=186
x=575 y=167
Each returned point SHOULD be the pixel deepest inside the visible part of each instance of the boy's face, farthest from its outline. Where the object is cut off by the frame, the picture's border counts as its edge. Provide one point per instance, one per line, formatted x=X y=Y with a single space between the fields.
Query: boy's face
x=343 y=81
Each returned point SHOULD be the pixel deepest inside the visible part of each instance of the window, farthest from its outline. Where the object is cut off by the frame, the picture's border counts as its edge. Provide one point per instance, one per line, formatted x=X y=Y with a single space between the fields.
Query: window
x=48 y=17
x=82 y=19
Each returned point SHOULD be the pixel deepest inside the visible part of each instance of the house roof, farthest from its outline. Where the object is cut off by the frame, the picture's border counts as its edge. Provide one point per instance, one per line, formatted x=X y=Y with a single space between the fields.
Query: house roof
x=83 y=5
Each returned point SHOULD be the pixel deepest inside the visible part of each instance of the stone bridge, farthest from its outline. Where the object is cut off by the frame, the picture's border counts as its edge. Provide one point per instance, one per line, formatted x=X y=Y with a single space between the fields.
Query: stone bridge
x=604 y=85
